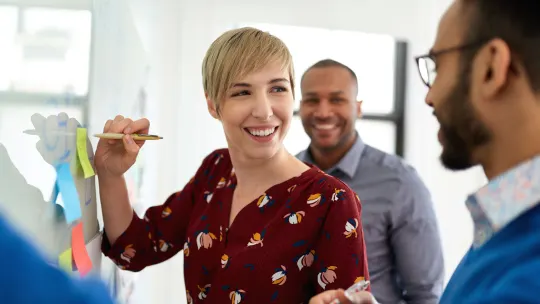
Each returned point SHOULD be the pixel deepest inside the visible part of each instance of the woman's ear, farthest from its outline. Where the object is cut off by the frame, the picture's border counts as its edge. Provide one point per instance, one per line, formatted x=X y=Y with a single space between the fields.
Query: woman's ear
x=212 y=108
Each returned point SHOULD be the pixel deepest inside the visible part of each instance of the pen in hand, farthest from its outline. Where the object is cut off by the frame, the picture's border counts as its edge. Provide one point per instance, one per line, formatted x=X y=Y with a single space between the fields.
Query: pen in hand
x=355 y=295
x=101 y=135
x=134 y=136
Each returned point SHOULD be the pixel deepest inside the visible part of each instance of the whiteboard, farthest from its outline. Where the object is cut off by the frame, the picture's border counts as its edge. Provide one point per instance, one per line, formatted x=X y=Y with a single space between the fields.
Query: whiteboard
x=23 y=204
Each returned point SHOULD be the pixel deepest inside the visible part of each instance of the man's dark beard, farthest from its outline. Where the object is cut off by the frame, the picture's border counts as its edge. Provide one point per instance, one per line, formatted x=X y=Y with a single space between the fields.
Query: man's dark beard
x=462 y=131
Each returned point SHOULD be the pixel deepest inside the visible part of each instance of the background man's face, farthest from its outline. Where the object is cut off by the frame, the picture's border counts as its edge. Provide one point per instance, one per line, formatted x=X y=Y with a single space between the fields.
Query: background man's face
x=329 y=108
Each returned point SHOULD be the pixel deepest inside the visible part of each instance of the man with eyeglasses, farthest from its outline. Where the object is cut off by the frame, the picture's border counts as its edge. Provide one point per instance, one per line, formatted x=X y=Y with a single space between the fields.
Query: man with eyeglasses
x=483 y=75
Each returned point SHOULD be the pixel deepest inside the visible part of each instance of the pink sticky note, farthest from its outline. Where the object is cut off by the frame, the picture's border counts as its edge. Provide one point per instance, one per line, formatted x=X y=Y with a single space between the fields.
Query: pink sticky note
x=80 y=255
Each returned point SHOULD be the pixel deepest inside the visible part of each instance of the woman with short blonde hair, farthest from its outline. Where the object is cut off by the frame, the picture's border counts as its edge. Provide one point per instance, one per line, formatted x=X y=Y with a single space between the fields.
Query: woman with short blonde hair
x=238 y=53
x=255 y=224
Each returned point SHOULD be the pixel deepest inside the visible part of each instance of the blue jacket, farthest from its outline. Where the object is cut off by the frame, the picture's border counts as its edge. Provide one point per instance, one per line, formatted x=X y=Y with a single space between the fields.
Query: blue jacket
x=26 y=277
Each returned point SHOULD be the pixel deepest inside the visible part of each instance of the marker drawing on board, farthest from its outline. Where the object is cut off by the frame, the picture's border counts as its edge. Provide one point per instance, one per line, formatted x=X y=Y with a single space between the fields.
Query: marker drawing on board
x=87 y=192
x=52 y=132
x=61 y=123
x=67 y=151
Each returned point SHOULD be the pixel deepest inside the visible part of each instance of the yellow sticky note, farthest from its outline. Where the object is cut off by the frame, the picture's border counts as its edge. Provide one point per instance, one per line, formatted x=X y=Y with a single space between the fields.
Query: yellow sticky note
x=82 y=153
x=65 y=260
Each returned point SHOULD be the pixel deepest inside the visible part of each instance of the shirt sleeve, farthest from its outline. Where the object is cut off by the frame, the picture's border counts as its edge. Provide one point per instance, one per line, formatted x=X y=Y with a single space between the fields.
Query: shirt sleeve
x=416 y=243
x=340 y=254
x=26 y=277
x=161 y=233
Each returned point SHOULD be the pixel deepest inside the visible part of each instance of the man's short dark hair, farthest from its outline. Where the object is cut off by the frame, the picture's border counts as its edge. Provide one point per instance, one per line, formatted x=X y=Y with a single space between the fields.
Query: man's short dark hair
x=328 y=63
x=514 y=21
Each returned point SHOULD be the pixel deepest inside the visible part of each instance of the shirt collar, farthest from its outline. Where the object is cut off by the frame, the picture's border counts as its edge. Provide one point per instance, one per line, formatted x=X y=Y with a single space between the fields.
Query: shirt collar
x=504 y=199
x=348 y=164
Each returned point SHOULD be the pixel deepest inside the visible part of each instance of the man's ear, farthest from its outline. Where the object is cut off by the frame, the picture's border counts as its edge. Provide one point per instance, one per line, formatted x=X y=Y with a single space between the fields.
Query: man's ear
x=492 y=66
x=212 y=108
x=359 y=108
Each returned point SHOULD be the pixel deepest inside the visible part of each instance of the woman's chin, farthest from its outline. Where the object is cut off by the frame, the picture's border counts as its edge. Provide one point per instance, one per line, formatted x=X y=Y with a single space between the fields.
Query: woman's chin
x=262 y=152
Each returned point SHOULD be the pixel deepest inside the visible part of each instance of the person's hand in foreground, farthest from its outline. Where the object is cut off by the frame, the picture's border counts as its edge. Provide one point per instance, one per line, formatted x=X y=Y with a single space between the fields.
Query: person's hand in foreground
x=338 y=296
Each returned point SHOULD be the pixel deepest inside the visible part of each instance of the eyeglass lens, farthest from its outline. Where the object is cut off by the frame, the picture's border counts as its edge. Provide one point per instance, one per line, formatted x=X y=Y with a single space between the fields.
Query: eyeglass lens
x=426 y=67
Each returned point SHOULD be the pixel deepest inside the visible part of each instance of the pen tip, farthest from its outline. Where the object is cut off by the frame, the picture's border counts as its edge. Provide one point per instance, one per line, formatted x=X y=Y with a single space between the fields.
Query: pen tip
x=30 y=132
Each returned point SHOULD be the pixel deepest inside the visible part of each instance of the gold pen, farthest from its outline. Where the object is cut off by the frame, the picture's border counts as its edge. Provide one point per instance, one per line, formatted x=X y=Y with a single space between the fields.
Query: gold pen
x=134 y=136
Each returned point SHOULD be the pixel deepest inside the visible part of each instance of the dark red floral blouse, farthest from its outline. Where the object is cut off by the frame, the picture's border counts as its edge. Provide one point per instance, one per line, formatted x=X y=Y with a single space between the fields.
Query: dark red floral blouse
x=297 y=239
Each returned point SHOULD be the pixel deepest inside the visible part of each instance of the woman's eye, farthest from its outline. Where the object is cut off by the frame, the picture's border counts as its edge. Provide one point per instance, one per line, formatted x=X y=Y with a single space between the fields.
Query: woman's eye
x=241 y=93
x=279 y=89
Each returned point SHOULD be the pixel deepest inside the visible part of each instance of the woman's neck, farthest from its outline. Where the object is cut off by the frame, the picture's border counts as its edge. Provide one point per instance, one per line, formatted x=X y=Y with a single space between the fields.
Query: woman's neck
x=255 y=174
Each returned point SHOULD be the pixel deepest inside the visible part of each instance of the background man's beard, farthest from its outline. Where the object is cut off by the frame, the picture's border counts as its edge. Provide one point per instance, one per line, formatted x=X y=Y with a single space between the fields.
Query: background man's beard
x=464 y=131
x=456 y=155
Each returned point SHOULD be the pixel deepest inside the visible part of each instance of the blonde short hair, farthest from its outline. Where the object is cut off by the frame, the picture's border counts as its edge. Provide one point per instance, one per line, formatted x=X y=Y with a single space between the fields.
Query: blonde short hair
x=237 y=53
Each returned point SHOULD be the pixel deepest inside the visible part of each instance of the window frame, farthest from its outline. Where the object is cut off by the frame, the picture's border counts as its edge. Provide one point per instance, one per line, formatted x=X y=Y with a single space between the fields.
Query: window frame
x=59 y=4
x=26 y=98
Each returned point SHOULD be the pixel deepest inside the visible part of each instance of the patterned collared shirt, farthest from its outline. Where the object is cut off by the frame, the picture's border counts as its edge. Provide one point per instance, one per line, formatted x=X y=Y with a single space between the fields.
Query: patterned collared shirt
x=504 y=199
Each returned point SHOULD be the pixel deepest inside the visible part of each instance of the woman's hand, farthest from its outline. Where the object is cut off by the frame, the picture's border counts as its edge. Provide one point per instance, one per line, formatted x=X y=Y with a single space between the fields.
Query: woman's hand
x=330 y=297
x=338 y=297
x=115 y=157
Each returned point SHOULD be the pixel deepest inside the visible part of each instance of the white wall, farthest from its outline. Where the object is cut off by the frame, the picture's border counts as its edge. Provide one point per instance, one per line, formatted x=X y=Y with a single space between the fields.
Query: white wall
x=177 y=33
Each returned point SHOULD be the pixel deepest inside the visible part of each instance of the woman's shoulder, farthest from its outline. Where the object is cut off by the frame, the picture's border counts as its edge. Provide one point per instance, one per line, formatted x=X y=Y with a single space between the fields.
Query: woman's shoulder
x=217 y=157
x=218 y=162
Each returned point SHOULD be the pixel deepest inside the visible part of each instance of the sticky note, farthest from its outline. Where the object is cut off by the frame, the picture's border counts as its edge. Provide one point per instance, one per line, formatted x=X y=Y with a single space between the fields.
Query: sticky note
x=66 y=187
x=82 y=153
x=65 y=260
x=80 y=255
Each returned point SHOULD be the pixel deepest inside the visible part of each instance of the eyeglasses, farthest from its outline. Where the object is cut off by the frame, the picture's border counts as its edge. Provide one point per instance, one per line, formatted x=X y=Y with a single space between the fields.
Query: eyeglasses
x=427 y=63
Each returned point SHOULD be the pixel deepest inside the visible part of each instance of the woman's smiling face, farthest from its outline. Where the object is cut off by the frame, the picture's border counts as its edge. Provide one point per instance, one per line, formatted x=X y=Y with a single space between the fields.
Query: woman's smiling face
x=256 y=112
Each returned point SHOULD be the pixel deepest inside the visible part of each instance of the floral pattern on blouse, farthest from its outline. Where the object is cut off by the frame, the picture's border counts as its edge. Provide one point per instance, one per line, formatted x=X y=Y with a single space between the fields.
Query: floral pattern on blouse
x=299 y=238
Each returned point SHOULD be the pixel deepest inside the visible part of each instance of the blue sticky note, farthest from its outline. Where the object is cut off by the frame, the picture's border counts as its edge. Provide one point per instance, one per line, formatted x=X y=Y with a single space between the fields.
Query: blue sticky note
x=70 y=196
x=54 y=195
x=58 y=210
